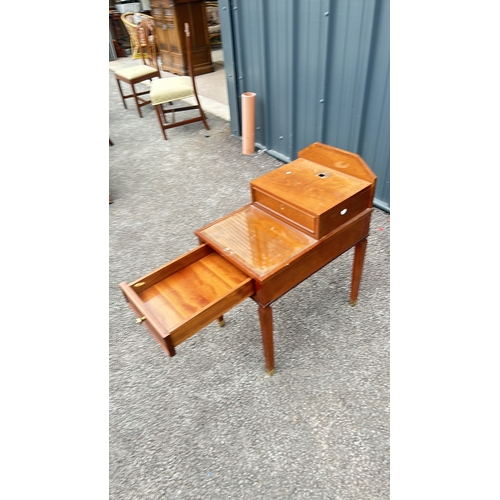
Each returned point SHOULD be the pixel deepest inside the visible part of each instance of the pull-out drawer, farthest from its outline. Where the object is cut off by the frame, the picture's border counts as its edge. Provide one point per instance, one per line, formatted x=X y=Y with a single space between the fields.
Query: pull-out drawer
x=180 y=298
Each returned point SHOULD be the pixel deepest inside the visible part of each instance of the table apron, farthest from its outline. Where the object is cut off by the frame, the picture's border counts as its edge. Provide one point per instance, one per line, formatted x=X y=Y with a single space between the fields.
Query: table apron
x=327 y=249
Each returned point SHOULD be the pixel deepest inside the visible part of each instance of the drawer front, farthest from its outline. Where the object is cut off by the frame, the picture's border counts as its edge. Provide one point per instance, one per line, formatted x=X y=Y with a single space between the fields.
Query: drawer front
x=155 y=329
x=344 y=212
x=180 y=298
x=285 y=211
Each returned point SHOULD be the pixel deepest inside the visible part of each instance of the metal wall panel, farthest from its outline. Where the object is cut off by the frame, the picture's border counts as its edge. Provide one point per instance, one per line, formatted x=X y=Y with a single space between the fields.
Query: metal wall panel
x=112 y=51
x=320 y=69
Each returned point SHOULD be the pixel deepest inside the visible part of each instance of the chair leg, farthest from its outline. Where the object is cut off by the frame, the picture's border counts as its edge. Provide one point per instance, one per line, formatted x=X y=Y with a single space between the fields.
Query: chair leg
x=161 y=118
x=136 y=100
x=121 y=93
x=203 y=117
x=164 y=124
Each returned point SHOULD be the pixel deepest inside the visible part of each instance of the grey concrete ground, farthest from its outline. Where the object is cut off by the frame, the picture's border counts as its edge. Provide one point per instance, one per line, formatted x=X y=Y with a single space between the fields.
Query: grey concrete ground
x=209 y=423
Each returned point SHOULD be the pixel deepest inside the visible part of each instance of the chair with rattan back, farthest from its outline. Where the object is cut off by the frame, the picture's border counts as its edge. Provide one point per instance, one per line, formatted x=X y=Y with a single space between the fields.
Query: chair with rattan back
x=131 y=20
x=167 y=90
x=138 y=73
x=213 y=24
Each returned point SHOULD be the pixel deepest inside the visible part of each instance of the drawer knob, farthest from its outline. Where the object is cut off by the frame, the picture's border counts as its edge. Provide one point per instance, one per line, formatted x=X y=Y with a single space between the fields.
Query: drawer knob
x=343 y=212
x=140 y=320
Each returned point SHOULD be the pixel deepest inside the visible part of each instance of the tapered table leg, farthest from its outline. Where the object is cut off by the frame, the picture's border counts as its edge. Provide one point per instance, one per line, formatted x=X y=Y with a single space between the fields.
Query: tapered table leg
x=266 y=327
x=357 y=269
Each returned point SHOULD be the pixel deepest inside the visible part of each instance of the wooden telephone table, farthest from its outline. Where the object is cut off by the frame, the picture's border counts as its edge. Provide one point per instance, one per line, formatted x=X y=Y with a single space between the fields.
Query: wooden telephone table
x=303 y=215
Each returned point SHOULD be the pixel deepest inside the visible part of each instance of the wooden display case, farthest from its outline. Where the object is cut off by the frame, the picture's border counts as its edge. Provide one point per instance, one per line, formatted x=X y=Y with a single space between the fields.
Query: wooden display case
x=298 y=222
x=169 y=18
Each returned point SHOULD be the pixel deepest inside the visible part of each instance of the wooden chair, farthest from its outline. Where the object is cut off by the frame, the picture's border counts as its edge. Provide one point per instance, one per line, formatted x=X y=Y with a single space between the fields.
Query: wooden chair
x=129 y=20
x=167 y=90
x=148 y=70
x=213 y=23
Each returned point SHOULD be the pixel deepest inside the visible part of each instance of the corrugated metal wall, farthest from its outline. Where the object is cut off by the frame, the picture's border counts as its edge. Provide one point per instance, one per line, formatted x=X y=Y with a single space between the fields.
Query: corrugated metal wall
x=112 y=51
x=320 y=69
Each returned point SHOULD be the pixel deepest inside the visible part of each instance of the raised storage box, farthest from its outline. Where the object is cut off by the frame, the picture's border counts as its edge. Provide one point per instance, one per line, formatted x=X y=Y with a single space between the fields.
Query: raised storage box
x=312 y=197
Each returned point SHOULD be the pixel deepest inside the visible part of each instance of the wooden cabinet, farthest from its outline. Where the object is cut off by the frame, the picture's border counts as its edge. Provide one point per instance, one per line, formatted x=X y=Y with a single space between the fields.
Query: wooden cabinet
x=302 y=216
x=169 y=18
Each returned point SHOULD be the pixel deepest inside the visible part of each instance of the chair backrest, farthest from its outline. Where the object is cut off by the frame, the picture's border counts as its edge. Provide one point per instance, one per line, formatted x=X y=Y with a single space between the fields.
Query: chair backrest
x=189 y=56
x=145 y=33
x=131 y=20
x=213 y=18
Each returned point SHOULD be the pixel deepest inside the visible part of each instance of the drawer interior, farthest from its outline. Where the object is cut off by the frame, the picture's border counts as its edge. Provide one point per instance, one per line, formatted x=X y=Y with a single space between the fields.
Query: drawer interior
x=182 y=297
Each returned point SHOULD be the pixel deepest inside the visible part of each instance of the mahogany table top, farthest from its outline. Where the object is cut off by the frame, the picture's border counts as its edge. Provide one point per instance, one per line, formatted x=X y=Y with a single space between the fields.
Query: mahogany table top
x=255 y=240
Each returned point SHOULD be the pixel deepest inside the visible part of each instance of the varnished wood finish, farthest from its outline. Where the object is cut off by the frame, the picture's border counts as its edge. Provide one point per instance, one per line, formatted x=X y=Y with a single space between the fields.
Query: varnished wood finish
x=307 y=263
x=181 y=298
x=255 y=241
x=243 y=238
x=342 y=161
x=315 y=198
x=285 y=211
x=266 y=327
x=169 y=17
x=172 y=267
x=357 y=269
x=309 y=186
x=151 y=323
x=262 y=250
x=333 y=207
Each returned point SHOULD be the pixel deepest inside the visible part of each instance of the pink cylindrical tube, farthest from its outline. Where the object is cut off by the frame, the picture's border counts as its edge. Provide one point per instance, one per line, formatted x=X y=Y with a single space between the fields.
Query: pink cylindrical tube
x=248 y=122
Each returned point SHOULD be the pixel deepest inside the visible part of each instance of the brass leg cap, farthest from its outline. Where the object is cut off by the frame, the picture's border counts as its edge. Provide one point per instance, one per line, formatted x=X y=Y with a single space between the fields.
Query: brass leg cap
x=270 y=372
x=222 y=323
x=352 y=302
